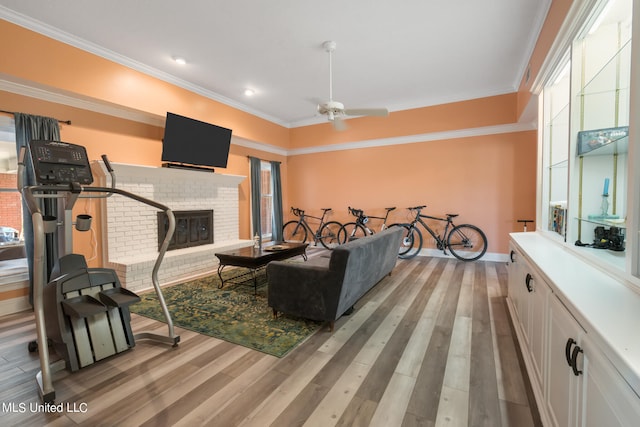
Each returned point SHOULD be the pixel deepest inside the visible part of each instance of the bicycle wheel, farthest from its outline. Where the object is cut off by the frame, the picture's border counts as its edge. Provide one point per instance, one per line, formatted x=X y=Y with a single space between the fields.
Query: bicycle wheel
x=351 y=231
x=411 y=242
x=294 y=232
x=467 y=242
x=329 y=234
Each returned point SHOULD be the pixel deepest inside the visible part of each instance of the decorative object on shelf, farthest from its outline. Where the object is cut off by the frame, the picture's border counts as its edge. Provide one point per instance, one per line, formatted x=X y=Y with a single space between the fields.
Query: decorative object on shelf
x=557 y=217
x=604 y=205
x=606 y=238
x=256 y=241
x=589 y=140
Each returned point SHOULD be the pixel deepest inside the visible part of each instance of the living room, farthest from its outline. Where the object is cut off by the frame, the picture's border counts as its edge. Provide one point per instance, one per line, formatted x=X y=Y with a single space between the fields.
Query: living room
x=476 y=157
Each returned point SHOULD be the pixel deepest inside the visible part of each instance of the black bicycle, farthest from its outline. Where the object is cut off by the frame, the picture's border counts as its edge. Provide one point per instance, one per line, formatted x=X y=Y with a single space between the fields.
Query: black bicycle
x=465 y=242
x=298 y=230
x=359 y=228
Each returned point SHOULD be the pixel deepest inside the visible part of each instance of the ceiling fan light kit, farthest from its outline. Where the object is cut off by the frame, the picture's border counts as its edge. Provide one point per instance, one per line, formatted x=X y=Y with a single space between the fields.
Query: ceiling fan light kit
x=335 y=110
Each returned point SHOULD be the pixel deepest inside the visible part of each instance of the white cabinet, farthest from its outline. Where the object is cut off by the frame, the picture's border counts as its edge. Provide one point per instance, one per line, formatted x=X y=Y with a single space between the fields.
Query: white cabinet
x=573 y=380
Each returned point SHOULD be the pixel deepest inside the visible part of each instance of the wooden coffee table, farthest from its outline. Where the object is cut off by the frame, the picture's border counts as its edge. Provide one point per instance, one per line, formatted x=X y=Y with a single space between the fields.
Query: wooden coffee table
x=257 y=258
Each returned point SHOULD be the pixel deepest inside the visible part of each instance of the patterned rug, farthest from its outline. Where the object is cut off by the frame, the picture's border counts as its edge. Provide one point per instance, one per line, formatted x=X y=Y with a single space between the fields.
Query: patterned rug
x=233 y=314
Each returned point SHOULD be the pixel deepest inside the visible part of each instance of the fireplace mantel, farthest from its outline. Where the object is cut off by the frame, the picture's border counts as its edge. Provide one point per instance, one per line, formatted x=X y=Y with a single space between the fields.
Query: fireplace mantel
x=152 y=172
x=129 y=228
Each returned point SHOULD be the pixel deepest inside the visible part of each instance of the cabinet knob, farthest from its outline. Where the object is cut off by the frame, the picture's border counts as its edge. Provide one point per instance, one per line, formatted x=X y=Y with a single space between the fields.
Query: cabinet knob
x=512 y=256
x=527 y=282
x=574 y=360
x=567 y=350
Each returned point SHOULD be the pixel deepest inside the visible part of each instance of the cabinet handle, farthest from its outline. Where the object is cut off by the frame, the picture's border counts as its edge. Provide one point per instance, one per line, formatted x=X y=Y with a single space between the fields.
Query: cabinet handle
x=567 y=350
x=527 y=282
x=512 y=255
x=574 y=360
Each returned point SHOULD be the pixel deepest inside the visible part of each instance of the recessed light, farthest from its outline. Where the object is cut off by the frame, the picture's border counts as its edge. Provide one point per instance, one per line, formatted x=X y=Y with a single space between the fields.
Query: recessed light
x=180 y=60
x=249 y=92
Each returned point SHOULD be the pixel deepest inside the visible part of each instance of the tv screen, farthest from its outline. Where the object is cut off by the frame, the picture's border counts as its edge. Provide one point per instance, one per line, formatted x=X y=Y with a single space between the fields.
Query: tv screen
x=192 y=142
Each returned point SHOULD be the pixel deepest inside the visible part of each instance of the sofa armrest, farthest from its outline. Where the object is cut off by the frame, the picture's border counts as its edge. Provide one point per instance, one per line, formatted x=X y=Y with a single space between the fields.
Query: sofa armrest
x=306 y=289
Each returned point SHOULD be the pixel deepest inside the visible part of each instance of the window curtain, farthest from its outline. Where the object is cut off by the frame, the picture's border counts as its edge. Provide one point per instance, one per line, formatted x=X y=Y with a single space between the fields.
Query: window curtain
x=255 y=197
x=28 y=128
x=277 y=218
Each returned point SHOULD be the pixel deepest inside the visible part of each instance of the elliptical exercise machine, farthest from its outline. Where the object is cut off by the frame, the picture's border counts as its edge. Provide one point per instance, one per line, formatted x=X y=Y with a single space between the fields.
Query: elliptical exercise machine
x=81 y=312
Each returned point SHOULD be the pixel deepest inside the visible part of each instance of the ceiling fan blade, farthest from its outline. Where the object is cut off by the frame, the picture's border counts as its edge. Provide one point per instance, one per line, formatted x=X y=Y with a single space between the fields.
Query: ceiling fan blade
x=381 y=112
x=339 y=124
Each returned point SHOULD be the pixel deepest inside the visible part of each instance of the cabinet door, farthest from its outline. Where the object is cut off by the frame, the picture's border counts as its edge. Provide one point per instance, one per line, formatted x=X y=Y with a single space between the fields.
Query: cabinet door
x=517 y=295
x=538 y=299
x=607 y=398
x=562 y=385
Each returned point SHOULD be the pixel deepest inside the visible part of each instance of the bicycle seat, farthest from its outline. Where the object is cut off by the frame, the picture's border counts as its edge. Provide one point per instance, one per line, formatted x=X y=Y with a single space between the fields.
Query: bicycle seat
x=452 y=215
x=326 y=209
x=390 y=209
x=417 y=207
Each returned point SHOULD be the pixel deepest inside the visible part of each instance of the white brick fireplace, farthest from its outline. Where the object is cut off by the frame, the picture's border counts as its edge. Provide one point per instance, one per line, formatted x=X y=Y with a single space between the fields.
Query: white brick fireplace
x=130 y=230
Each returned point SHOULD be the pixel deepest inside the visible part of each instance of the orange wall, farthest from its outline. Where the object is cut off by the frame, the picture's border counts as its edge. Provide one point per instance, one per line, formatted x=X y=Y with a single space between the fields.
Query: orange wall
x=488 y=180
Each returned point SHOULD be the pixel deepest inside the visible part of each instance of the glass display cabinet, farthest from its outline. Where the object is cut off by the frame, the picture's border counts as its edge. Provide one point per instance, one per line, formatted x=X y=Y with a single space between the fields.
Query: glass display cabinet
x=585 y=167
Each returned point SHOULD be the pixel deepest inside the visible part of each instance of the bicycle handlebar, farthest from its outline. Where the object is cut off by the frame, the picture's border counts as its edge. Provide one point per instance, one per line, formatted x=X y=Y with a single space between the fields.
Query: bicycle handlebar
x=356 y=212
x=417 y=208
x=296 y=211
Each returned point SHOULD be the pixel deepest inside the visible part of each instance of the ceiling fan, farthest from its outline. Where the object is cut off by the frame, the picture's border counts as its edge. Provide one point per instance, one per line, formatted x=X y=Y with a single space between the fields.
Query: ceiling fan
x=335 y=110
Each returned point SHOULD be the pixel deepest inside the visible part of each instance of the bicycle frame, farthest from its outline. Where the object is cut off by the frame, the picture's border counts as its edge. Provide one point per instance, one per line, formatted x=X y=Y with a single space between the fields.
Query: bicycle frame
x=441 y=242
x=303 y=221
x=322 y=234
x=362 y=219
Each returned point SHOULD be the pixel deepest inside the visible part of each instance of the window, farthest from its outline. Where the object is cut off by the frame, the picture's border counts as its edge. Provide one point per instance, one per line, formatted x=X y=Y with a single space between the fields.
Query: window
x=266 y=199
x=10 y=199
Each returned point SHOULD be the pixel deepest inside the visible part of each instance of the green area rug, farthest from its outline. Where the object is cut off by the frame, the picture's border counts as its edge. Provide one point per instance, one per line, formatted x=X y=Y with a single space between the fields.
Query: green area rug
x=233 y=314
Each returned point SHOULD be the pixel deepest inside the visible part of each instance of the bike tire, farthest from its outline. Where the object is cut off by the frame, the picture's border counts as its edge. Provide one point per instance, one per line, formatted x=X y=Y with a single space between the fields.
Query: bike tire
x=330 y=234
x=411 y=243
x=294 y=232
x=467 y=242
x=351 y=231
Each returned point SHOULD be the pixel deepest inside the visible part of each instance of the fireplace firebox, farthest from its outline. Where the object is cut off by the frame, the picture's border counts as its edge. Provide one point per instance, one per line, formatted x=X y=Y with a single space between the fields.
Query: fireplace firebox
x=193 y=228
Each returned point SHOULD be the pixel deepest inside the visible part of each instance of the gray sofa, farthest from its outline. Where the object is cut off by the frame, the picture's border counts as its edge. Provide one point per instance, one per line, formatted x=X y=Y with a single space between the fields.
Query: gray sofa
x=326 y=287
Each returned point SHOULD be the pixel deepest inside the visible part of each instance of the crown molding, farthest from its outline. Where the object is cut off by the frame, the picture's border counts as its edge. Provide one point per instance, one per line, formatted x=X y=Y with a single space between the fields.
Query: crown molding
x=410 y=139
x=73 y=100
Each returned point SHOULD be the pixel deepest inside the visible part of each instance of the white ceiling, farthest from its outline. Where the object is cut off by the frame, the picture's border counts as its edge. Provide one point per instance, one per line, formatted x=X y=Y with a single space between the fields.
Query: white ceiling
x=396 y=54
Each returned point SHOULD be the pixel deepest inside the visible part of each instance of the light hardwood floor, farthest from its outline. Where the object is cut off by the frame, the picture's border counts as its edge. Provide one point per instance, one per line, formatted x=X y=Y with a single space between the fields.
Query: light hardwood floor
x=430 y=345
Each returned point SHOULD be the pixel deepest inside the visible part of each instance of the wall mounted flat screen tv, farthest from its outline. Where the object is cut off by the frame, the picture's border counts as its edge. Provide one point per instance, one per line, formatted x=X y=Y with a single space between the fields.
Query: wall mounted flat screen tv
x=192 y=142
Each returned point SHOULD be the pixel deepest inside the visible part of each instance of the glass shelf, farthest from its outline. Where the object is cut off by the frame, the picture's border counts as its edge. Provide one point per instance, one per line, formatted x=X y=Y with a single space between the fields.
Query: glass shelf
x=560 y=165
x=608 y=222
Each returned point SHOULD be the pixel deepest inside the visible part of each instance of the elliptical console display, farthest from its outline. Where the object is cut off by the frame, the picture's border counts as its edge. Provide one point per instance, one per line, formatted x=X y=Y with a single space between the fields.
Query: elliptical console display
x=56 y=162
